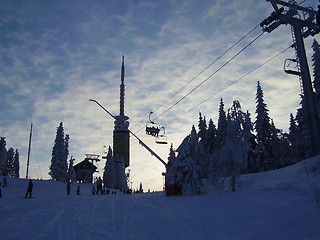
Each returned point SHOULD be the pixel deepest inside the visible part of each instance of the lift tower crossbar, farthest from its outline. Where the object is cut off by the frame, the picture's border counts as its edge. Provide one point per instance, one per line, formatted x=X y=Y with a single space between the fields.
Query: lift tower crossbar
x=140 y=141
x=302 y=28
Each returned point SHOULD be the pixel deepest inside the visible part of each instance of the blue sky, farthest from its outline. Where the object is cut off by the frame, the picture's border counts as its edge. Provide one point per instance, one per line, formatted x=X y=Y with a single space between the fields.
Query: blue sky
x=55 y=55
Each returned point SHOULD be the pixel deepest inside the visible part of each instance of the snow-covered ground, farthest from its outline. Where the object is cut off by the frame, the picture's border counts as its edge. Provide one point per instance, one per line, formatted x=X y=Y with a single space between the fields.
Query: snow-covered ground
x=271 y=205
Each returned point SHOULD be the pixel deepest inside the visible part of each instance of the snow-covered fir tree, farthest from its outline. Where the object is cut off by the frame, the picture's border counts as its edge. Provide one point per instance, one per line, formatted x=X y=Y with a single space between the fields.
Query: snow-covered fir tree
x=9 y=163
x=119 y=174
x=185 y=171
x=237 y=135
x=109 y=171
x=279 y=143
x=212 y=157
x=16 y=164
x=200 y=144
x=9 y=160
x=171 y=158
x=202 y=133
x=66 y=146
x=59 y=164
x=211 y=138
x=249 y=139
x=71 y=173
x=3 y=155
x=232 y=158
x=296 y=145
x=222 y=126
x=304 y=140
x=316 y=69
x=263 y=130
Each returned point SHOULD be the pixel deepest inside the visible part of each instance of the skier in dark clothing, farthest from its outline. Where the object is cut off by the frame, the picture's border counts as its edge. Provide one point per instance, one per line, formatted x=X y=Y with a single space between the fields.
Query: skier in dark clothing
x=29 y=190
x=5 y=182
x=68 y=188
x=99 y=185
x=78 y=190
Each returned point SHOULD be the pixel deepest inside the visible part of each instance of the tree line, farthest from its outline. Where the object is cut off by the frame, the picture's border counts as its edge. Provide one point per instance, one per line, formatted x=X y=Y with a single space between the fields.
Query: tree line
x=9 y=160
x=210 y=154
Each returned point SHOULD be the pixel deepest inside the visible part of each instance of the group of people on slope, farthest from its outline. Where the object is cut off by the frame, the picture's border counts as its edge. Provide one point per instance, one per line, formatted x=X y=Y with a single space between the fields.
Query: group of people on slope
x=29 y=189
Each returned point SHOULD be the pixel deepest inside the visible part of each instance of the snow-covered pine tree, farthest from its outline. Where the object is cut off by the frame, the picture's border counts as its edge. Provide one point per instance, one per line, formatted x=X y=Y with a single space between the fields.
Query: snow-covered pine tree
x=304 y=139
x=202 y=133
x=239 y=134
x=174 y=169
x=316 y=67
x=250 y=142
x=171 y=158
x=263 y=131
x=200 y=144
x=186 y=171
x=108 y=174
x=9 y=163
x=278 y=146
x=231 y=159
x=59 y=165
x=120 y=176
x=16 y=165
x=66 y=147
x=294 y=138
x=316 y=74
x=71 y=173
x=3 y=155
x=211 y=137
x=222 y=126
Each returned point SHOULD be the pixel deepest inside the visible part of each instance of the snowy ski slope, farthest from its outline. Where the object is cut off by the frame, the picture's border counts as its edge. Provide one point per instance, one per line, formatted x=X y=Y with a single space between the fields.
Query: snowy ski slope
x=271 y=205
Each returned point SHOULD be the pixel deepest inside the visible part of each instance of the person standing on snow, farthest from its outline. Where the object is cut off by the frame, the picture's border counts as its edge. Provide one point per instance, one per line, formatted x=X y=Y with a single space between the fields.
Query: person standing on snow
x=68 y=188
x=29 y=190
x=5 y=182
x=99 y=185
x=78 y=190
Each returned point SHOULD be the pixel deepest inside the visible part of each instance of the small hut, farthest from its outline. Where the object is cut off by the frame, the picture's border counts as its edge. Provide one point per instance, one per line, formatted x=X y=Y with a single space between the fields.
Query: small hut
x=84 y=170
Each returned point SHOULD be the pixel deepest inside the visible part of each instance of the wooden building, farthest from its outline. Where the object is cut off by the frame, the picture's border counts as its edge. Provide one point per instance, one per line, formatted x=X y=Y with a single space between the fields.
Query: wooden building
x=84 y=170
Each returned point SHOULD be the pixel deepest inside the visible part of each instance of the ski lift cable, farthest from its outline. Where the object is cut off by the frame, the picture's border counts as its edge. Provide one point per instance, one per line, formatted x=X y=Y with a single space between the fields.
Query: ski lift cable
x=234 y=82
x=201 y=72
x=302 y=2
x=222 y=66
x=194 y=78
x=211 y=75
x=205 y=80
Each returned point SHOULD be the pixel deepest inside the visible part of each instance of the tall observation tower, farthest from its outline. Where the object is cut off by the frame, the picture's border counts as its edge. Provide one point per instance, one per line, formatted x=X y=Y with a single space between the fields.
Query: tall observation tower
x=121 y=137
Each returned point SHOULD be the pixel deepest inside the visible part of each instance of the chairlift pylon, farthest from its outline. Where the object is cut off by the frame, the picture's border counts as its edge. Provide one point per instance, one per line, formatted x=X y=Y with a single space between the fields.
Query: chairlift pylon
x=289 y=69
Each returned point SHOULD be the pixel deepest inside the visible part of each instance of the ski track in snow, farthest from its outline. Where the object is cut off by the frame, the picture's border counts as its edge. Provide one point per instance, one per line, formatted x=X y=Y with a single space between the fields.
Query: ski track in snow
x=270 y=205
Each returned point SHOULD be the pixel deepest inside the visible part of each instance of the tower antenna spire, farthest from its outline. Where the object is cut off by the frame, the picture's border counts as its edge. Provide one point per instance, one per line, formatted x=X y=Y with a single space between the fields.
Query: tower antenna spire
x=122 y=89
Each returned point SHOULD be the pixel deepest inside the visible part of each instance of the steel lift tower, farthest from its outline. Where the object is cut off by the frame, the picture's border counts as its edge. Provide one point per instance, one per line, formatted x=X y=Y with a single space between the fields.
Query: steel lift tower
x=304 y=22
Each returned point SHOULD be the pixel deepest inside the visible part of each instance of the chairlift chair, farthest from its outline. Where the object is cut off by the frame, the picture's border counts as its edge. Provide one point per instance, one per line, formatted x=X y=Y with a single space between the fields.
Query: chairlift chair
x=152 y=128
x=289 y=69
x=161 y=138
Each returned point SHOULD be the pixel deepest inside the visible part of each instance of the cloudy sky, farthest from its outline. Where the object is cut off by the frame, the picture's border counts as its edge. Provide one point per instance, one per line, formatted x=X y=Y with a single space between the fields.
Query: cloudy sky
x=56 y=55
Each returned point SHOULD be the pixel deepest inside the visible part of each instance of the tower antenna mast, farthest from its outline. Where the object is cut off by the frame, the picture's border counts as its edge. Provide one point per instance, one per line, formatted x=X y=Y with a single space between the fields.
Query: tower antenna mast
x=301 y=28
x=29 y=150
